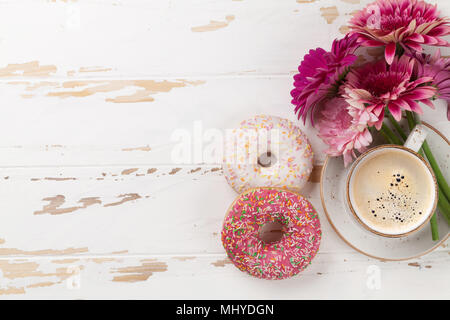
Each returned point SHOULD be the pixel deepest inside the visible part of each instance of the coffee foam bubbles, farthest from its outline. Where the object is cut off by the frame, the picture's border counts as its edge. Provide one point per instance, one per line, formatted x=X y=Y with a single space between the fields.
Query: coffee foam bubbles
x=392 y=191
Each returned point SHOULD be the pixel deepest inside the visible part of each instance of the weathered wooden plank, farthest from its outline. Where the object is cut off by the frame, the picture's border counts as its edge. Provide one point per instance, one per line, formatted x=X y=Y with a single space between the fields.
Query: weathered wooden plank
x=207 y=276
x=140 y=210
x=158 y=38
x=91 y=129
x=90 y=210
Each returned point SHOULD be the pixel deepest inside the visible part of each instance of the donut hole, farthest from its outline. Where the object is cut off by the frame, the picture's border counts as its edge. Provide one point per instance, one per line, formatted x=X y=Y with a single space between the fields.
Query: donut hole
x=267 y=159
x=272 y=231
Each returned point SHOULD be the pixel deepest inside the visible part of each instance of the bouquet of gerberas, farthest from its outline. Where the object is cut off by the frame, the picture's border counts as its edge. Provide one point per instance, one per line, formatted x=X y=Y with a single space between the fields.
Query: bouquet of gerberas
x=347 y=99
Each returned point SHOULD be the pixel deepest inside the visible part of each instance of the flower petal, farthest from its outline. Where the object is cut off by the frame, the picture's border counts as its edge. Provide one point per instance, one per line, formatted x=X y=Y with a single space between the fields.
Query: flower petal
x=428 y=103
x=414 y=45
x=395 y=110
x=415 y=106
x=389 y=52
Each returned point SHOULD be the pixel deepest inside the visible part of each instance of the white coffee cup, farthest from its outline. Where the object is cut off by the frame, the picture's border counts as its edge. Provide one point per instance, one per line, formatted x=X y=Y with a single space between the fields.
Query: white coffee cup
x=391 y=190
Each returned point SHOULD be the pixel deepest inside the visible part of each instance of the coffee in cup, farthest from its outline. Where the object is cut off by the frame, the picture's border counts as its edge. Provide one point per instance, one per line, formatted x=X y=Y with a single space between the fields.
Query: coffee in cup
x=391 y=191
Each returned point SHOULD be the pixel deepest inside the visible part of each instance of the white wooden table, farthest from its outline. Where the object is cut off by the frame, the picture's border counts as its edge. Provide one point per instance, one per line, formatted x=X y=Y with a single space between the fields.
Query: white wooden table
x=91 y=204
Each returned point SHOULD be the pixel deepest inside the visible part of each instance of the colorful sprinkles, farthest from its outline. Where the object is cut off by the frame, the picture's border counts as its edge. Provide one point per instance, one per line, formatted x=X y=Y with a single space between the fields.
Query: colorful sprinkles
x=289 y=147
x=276 y=260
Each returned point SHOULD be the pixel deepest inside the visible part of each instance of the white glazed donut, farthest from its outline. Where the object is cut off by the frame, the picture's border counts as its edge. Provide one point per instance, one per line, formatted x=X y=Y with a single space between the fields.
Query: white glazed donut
x=267 y=151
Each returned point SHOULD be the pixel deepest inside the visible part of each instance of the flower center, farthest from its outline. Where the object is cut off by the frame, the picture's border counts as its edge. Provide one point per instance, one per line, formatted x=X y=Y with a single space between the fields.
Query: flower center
x=382 y=83
x=393 y=22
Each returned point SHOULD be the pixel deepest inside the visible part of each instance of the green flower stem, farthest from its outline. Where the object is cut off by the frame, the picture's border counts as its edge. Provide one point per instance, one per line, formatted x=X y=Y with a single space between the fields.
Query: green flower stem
x=411 y=120
x=392 y=137
x=386 y=136
x=434 y=227
x=433 y=163
x=444 y=206
x=396 y=126
x=437 y=171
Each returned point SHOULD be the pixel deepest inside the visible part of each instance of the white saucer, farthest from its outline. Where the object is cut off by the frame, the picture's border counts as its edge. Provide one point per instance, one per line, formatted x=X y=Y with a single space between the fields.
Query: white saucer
x=332 y=189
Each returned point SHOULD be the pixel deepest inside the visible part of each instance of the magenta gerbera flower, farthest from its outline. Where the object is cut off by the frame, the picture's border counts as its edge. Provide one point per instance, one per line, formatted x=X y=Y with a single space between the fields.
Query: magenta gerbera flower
x=437 y=68
x=409 y=23
x=344 y=128
x=378 y=86
x=320 y=73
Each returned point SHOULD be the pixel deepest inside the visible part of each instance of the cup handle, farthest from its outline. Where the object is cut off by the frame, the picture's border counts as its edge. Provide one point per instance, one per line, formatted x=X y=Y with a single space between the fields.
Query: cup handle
x=416 y=138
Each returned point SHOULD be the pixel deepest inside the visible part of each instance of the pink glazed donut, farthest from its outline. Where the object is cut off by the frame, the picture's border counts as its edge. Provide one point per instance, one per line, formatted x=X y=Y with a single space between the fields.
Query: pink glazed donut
x=275 y=260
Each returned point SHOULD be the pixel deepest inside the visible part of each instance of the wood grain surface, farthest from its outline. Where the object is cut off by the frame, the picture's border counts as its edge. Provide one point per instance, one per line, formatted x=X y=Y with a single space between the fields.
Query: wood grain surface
x=92 y=203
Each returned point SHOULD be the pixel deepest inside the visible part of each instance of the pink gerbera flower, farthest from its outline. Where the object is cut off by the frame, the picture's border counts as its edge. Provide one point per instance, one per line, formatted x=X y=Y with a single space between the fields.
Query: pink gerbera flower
x=320 y=74
x=344 y=128
x=438 y=68
x=409 y=23
x=378 y=86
